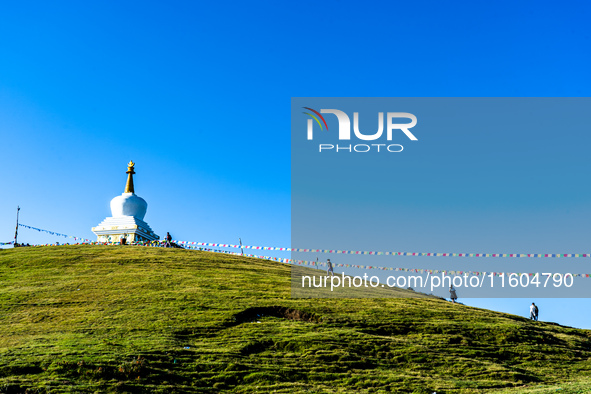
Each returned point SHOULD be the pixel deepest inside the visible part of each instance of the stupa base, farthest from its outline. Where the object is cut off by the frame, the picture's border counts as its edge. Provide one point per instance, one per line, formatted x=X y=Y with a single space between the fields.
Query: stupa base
x=112 y=229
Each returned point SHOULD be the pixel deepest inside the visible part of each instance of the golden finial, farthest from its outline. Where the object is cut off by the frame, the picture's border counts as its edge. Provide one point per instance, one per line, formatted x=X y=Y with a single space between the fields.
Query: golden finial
x=130 y=172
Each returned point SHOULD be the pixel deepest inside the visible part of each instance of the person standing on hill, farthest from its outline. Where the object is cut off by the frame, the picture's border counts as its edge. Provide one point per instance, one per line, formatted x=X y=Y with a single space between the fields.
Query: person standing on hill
x=533 y=312
x=168 y=240
x=330 y=270
x=452 y=294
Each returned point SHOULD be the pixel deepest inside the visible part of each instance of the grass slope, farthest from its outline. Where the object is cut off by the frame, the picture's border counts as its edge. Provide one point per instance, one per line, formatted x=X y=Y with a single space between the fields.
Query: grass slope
x=136 y=319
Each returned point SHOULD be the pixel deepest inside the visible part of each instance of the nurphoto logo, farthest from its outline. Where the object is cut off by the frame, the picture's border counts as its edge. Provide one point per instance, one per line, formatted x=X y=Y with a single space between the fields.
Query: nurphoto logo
x=344 y=132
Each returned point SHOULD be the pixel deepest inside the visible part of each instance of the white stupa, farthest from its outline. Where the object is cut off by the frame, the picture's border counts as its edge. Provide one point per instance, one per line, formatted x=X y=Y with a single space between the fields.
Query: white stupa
x=127 y=220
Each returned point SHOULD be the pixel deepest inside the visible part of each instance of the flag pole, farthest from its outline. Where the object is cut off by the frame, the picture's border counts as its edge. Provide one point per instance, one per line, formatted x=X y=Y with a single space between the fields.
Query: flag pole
x=18 y=208
x=242 y=250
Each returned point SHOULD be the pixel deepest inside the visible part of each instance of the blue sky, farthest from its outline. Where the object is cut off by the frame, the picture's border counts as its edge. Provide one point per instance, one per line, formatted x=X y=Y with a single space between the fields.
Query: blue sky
x=198 y=95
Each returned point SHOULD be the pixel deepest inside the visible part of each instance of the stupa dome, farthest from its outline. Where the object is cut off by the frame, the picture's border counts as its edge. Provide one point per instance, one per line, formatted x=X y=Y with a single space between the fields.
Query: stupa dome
x=128 y=204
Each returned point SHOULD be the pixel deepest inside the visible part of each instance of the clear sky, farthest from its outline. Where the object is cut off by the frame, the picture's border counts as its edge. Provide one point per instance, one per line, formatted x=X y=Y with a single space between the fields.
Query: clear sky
x=198 y=95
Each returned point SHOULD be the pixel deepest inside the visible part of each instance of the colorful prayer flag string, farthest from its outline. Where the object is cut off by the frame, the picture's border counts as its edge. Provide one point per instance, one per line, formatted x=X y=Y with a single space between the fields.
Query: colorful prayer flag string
x=199 y=246
x=359 y=252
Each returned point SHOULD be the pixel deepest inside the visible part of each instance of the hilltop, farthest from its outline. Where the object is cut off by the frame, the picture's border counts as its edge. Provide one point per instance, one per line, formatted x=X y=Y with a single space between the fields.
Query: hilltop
x=138 y=319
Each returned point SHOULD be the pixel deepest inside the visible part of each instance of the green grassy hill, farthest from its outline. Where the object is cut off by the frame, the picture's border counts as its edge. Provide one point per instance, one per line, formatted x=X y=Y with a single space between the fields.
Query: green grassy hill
x=136 y=319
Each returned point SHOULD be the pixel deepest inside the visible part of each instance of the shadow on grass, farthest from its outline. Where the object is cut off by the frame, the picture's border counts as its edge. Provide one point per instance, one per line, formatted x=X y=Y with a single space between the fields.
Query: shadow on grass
x=249 y=315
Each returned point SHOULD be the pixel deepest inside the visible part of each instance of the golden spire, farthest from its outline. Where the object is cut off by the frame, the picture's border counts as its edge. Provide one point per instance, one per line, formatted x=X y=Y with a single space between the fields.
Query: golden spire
x=130 y=172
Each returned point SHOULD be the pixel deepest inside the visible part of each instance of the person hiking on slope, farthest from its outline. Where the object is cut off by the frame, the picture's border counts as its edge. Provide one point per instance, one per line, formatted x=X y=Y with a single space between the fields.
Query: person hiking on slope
x=533 y=312
x=168 y=240
x=452 y=294
x=330 y=270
